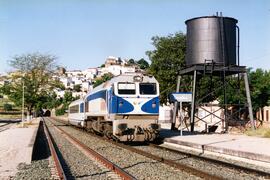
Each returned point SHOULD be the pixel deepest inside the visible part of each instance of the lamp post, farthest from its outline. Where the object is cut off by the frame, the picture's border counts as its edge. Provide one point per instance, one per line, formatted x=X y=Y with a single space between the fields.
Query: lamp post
x=23 y=99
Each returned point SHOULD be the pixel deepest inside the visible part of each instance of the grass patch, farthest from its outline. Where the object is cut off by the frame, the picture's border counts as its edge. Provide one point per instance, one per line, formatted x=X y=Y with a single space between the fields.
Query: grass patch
x=260 y=132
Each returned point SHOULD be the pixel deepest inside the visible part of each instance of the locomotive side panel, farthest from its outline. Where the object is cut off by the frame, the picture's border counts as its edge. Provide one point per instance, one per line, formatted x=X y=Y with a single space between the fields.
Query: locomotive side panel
x=96 y=104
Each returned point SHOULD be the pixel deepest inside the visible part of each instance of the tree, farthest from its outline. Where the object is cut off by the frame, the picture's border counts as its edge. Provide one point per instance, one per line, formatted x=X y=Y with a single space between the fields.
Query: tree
x=259 y=82
x=131 y=61
x=260 y=88
x=77 y=87
x=167 y=58
x=7 y=107
x=102 y=79
x=68 y=98
x=143 y=64
x=33 y=72
x=51 y=101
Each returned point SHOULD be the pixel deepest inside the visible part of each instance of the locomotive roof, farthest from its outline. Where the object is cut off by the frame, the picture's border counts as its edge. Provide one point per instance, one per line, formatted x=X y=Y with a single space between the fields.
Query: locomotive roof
x=124 y=78
x=78 y=101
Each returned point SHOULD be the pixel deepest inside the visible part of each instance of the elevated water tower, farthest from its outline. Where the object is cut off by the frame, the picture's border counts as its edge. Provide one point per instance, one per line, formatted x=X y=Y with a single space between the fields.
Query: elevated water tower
x=213 y=51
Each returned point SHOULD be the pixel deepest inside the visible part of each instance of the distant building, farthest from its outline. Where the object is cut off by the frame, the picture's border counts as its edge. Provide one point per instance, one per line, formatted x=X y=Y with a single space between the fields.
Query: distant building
x=111 y=61
x=86 y=86
x=116 y=66
x=90 y=73
x=61 y=71
x=264 y=115
x=60 y=93
x=74 y=73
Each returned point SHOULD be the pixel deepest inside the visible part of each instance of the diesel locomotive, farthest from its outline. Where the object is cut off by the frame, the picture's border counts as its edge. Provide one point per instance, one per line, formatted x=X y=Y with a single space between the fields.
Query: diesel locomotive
x=125 y=108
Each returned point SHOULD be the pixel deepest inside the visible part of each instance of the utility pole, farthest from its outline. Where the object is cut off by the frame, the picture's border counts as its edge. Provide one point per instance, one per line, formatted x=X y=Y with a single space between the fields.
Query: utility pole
x=23 y=99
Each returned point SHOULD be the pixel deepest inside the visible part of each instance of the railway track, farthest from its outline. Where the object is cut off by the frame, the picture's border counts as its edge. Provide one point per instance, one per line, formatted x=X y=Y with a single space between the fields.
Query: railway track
x=6 y=124
x=66 y=169
x=198 y=166
x=60 y=174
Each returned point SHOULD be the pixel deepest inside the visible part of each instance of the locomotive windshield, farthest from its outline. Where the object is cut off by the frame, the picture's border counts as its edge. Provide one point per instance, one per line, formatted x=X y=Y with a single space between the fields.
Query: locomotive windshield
x=126 y=88
x=148 y=88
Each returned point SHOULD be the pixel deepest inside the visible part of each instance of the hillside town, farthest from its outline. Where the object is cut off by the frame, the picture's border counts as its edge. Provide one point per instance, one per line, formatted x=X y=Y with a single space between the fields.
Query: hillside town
x=79 y=82
x=84 y=78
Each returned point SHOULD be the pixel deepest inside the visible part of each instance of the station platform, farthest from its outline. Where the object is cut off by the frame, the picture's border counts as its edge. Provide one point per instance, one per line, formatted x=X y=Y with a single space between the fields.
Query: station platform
x=16 y=146
x=240 y=148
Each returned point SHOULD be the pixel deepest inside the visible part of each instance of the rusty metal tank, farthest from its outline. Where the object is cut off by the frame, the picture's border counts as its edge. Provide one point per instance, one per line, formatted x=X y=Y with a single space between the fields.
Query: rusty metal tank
x=211 y=39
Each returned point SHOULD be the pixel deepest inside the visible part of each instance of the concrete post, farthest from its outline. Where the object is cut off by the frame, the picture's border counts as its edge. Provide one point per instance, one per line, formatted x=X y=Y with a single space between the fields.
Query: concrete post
x=193 y=104
x=175 y=109
x=249 y=101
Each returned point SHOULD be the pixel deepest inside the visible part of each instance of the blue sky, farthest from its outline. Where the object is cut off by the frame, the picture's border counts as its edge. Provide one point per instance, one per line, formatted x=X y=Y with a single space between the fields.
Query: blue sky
x=82 y=33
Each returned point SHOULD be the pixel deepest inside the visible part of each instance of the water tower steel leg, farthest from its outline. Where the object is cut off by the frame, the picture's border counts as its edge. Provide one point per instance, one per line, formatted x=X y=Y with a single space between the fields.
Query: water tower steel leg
x=249 y=101
x=193 y=104
x=175 y=104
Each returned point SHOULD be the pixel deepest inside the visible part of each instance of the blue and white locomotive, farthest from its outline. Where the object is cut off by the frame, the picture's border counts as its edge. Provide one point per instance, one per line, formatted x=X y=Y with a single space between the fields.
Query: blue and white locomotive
x=124 y=108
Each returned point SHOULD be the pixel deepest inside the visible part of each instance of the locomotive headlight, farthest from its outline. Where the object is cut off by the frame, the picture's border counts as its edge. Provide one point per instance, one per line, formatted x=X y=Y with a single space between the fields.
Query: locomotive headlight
x=120 y=104
x=137 y=79
x=154 y=104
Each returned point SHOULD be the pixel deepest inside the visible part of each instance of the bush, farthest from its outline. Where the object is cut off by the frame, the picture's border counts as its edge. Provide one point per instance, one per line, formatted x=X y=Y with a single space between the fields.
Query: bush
x=267 y=133
x=260 y=132
x=7 y=107
x=60 y=112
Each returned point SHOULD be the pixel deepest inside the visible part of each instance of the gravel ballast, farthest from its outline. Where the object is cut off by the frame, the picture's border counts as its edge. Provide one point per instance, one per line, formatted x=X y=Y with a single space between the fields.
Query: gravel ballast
x=36 y=170
x=137 y=165
x=210 y=167
x=75 y=163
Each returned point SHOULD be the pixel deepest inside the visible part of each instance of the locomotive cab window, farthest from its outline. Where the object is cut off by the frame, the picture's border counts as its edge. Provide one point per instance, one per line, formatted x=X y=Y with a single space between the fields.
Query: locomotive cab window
x=148 y=89
x=126 y=88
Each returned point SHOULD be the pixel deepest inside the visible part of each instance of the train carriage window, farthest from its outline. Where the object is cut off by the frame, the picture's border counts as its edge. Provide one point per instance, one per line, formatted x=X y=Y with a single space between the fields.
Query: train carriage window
x=148 y=88
x=126 y=88
x=74 y=109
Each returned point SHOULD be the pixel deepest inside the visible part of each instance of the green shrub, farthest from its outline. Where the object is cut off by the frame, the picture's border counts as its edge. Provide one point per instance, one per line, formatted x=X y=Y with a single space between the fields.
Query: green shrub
x=259 y=132
x=60 y=112
x=267 y=133
x=7 y=107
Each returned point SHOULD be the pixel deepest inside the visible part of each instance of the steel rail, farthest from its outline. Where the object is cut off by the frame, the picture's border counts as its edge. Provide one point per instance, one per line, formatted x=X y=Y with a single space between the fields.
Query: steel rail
x=58 y=165
x=5 y=127
x=7 y=124
x=110 y=165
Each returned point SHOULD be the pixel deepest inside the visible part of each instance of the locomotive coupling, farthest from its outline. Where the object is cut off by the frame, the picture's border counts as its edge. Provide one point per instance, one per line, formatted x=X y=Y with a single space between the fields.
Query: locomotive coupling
x=154 y=126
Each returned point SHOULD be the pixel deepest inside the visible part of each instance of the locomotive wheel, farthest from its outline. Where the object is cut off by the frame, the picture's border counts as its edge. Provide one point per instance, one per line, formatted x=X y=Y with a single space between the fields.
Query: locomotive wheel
x=108 y=134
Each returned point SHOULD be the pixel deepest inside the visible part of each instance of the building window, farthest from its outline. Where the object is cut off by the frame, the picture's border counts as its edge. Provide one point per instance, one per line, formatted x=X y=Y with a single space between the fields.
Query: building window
x=267 y=115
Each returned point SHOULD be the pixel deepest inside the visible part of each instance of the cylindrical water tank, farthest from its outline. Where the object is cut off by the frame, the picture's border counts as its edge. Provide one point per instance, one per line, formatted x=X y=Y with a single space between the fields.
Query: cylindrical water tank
x=211 y=38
